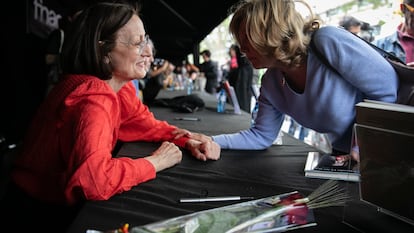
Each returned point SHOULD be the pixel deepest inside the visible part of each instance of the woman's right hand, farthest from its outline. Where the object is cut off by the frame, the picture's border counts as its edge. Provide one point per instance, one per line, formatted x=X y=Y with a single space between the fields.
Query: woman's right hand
x=167 y=155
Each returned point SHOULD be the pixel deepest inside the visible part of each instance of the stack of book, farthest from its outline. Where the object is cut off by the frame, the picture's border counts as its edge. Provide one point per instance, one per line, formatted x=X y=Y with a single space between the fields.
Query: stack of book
x=385 y=135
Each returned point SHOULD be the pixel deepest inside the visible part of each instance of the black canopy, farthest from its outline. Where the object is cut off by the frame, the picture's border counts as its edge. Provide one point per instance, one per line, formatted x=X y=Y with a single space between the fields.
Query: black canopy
x=178 y=26
x=175 y=26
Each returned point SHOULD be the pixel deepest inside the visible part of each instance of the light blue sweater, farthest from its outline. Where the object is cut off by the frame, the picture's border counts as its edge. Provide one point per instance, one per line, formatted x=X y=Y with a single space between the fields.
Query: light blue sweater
x=328 y=102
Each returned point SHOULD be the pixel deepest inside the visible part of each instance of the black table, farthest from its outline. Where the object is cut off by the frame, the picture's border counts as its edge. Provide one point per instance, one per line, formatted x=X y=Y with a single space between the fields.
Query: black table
x=276 y=170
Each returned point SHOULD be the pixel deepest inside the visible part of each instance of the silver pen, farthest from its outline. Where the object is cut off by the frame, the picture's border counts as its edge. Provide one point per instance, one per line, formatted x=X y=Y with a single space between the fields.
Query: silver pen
x=187 y=118
x=205 y=199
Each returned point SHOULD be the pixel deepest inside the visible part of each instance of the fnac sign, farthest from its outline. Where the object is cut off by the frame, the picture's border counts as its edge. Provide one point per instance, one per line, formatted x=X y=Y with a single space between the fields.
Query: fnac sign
x=43 y=16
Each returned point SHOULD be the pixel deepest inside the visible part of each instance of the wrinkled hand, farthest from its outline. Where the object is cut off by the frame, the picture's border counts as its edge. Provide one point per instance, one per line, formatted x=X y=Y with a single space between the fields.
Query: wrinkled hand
x=204 y=150
x=210 y=148
x=167 y=155
x=181 y=133
x=200 y=137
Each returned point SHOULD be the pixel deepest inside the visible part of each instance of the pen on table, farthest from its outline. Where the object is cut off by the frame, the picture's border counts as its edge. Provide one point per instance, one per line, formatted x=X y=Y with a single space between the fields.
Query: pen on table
x=187 y=118
x=205 y=199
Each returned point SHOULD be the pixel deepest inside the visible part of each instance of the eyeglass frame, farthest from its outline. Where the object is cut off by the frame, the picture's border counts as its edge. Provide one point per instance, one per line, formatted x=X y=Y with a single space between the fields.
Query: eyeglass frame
x=140 y=45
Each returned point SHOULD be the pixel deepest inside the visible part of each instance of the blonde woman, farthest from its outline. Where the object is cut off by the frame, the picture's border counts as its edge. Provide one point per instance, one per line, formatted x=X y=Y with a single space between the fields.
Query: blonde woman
x=320 y=96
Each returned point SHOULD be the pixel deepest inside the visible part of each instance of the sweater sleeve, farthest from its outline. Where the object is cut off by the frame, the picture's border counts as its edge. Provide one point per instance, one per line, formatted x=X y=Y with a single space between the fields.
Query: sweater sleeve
x=268 y=123
x=139 y=124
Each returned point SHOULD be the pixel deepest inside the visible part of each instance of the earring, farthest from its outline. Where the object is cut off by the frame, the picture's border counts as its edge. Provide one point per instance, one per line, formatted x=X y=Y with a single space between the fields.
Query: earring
x=106 y=60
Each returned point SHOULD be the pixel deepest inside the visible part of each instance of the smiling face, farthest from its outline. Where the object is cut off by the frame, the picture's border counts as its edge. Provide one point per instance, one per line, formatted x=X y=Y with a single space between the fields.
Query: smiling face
x=131 y=52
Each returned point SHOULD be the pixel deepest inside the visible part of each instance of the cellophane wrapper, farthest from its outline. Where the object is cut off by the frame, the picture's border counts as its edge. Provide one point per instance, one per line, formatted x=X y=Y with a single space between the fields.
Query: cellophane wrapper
x=277 y=213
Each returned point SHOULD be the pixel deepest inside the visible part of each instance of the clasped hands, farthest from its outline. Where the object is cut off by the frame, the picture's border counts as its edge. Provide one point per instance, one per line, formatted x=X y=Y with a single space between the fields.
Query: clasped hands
x=201 y=146
x=168 y=154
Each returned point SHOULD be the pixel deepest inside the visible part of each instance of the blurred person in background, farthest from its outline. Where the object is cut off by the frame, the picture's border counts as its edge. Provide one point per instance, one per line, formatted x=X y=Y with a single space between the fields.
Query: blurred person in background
x=367 y=32
x=357 y=27
x=351 y=24
x=240 y=76
x=401 y=42
x=154 y=80
x=209 y=69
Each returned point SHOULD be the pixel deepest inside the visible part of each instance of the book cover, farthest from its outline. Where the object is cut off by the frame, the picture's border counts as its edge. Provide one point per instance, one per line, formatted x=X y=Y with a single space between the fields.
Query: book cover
x=277 y=213
x=385 y=136
x=385 y=115
x=328 y=166
x=387 y=170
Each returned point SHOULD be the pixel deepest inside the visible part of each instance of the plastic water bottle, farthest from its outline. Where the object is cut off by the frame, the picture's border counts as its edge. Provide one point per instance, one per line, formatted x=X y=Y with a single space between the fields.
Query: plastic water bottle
x=221 y=101
x=254 y=113
x=189 y=86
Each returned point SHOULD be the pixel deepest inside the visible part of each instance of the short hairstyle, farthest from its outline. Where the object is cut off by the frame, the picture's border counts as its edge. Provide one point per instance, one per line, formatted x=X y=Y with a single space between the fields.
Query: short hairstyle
x=349 y=21
x=206 y=52
x=83 y=50
x=275 y=28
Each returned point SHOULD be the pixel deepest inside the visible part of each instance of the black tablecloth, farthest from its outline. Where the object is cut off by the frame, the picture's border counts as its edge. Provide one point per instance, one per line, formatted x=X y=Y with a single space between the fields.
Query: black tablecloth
x=210 y=121
x=276 y=170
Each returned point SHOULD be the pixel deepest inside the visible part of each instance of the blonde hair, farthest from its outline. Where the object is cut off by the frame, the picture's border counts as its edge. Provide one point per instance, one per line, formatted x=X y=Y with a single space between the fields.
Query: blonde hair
x=274 y=28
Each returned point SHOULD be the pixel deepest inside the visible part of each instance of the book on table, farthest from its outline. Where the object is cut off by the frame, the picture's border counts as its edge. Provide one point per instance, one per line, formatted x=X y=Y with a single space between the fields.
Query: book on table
x=385 y=136
x=327 y=166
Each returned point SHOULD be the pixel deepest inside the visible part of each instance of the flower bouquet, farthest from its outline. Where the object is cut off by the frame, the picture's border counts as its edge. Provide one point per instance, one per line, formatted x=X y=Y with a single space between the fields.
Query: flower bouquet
x=277 y=213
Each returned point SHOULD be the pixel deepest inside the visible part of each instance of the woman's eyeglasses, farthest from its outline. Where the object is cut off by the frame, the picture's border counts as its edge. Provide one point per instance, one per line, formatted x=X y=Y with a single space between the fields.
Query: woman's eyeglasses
x=139 y=45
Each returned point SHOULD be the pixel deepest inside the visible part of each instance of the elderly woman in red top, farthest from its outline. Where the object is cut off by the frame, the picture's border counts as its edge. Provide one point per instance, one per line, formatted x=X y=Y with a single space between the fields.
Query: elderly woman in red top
x=66 y=157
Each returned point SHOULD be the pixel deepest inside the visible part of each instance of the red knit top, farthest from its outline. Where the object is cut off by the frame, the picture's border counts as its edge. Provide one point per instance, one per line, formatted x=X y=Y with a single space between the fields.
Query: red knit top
x=66 y=154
